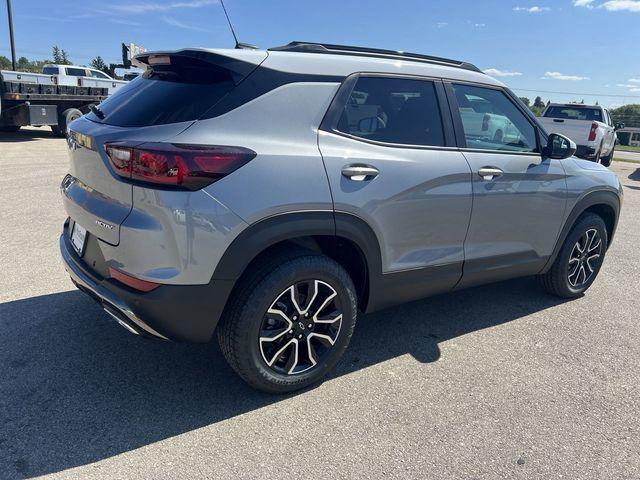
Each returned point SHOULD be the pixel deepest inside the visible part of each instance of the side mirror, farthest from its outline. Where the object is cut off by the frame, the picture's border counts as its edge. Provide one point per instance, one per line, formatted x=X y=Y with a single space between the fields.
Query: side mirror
x=559 y=147
x=619 y=126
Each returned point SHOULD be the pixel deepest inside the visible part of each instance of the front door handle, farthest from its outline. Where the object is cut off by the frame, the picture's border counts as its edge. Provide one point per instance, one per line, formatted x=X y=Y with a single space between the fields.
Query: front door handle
x=489 y=173
x=359 y=173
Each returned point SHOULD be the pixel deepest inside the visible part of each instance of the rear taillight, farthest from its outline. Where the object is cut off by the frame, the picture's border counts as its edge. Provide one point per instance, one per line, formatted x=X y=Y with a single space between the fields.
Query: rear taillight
x=592 y=132
x=133 y=282
x=190 y=167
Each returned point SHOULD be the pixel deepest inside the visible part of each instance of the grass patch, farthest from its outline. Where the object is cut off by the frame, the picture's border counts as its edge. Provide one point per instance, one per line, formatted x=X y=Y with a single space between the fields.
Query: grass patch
x=626 y=160
x=627 y=148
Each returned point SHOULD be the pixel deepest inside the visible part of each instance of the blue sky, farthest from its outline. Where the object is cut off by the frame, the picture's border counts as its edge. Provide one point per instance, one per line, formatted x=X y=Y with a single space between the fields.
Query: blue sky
x=576 y=46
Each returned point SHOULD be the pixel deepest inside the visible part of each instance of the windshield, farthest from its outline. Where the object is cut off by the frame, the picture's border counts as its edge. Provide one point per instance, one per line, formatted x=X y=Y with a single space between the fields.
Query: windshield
x=574 y=113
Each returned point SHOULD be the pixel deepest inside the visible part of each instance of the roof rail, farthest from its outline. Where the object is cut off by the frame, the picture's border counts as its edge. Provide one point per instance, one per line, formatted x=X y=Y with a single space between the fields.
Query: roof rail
x=312 y=47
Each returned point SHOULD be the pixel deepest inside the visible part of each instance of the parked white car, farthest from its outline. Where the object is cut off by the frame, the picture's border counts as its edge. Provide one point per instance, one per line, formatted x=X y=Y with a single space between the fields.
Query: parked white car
x=589 y=126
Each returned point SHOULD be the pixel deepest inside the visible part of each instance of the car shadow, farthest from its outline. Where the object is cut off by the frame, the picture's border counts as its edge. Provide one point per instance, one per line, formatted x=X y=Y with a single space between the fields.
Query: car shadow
x=635 y=175
x=26 y=135
x=77 y=388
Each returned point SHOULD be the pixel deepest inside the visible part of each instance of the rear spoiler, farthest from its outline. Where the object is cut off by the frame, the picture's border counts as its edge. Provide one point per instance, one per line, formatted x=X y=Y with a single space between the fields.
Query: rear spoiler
x=239 y=62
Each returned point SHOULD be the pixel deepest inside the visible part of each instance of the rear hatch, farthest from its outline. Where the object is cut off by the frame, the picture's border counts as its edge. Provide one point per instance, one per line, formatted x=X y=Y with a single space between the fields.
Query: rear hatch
x=176 y=89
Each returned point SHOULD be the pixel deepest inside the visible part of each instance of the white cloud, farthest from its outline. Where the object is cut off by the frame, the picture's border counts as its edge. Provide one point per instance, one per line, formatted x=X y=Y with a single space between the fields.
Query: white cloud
x=562 y=76
x=634 y=80
x=620 y=5
x=174 y=22
x=494 y=72
x=611 y=5
x=145 y=7
x=442 y=24
x=479 y=25
x=634 y=89
x=534 y=9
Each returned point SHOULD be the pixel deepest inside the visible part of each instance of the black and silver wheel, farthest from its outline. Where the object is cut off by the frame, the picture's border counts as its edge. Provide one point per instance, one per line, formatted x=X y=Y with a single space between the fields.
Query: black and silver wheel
x=579 y=260
x=64 y=119
x=287 y=325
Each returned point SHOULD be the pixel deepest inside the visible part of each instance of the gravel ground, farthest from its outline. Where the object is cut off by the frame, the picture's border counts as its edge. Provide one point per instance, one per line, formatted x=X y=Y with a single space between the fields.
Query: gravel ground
x=500 y=381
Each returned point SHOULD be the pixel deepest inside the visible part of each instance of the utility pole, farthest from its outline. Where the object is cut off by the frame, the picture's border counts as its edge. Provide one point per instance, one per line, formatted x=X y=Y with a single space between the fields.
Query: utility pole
x=13 y=45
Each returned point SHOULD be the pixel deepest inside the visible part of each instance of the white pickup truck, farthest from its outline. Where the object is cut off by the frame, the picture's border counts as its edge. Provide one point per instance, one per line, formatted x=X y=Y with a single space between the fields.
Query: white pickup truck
x=589 y=126
x=55 y=97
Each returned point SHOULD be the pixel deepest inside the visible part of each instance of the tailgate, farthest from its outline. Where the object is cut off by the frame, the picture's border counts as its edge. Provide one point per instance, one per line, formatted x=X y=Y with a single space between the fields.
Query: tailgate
x=93 y=195
x=576 y=130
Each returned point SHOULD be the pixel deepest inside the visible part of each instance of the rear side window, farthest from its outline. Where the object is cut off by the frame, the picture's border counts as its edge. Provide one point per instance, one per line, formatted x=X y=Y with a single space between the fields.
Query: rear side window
x=393 y=110
x=50 y=70
x=76 y=72
x=180 y=92
x=491 y=121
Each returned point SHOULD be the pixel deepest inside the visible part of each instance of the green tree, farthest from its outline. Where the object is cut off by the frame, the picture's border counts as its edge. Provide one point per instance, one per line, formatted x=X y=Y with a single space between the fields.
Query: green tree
x=538 y=103
x=60 y=56
x=627 y=114
x=5 y=63
x=98 y=64
x=526 y=101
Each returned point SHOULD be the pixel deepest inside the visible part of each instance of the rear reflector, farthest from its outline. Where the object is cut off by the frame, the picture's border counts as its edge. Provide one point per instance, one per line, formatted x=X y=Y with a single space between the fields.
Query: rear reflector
x=190 y=167
x=133 y=282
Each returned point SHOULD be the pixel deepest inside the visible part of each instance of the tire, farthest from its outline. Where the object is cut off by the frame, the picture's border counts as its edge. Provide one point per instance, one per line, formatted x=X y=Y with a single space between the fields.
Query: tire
x=64 y=119
x=10 y=129
x=261 y=340
x=596 y=159
x=559 y=280
x=606 y=161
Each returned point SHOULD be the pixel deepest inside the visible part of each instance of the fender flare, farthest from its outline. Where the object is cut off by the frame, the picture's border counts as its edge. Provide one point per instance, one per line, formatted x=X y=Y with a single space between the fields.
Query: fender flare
x=597 y=197
x=288 y=226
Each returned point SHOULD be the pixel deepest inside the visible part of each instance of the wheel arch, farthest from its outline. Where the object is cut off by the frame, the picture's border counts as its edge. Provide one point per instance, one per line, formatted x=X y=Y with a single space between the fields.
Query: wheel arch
x=604 y=203
x=344 y=237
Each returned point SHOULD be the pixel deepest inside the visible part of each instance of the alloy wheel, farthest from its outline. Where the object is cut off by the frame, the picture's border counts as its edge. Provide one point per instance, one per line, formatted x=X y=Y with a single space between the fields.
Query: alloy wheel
x=584 y=259
x=300 y=327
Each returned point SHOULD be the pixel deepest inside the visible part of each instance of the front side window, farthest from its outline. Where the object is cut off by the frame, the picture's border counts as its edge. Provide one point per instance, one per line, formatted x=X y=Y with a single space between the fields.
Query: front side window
x=393 y=110
x=76 y=72
x=491 y=121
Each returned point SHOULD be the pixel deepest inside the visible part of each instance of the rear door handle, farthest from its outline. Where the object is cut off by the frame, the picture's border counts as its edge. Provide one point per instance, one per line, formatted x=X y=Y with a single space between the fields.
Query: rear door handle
x=359 y=173
x=489 y=173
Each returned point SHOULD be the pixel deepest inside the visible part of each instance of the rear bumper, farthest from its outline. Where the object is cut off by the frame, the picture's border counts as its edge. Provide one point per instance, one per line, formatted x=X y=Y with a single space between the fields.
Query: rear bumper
x=187 y=313
x=588 y=153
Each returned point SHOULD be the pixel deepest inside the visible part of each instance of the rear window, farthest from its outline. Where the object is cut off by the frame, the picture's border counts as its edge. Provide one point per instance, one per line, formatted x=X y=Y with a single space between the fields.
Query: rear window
x=180 y=92
x=574 y=113
x=76 y=72
x=50 y=70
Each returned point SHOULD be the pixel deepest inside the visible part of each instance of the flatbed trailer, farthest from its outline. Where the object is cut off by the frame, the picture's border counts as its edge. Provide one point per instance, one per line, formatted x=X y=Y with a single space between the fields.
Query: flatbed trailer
x=37 y=99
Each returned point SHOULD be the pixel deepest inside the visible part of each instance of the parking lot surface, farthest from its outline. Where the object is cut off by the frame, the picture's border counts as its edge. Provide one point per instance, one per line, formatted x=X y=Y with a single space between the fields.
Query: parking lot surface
x=500 y=381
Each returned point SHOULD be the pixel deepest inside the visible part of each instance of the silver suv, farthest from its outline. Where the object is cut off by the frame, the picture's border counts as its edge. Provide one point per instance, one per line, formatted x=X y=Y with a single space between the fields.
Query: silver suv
x=269 y=196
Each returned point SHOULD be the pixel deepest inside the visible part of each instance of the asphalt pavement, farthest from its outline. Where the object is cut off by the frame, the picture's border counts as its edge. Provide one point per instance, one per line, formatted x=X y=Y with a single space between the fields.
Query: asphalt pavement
x=501 y=381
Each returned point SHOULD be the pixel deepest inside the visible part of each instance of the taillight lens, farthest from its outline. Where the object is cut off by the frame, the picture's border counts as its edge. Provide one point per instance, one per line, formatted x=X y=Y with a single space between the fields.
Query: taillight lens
x=190 y=167
x=592 y=133
x=485 y=123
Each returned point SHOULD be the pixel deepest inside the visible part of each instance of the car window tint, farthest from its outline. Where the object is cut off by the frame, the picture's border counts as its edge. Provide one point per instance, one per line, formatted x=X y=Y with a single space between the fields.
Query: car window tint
x=50 y=70
x=76 y=72
x=393 y=110
x=97 y=74
x=491 y=121
x=570 y=112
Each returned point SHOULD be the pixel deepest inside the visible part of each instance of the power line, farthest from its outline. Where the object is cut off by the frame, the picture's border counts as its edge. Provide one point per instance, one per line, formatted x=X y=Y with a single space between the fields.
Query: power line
x=577 y=93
